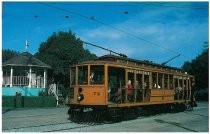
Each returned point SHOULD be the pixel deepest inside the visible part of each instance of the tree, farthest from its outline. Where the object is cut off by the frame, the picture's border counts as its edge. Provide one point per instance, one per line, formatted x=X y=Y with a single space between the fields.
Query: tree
x=8 y=54
x=199 y=67
x=60 y=51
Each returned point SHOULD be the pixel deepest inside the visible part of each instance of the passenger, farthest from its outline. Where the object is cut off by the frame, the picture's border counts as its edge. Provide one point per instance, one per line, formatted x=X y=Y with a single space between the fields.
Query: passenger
x=109 y=89
x=155 y=85
x=129 y=90
x=158 y=86
x=118 y=97
x=138 y=91
x=92 y=77
x=137 y=85
x=129 y=87
x=145 y=85
x=109 y=86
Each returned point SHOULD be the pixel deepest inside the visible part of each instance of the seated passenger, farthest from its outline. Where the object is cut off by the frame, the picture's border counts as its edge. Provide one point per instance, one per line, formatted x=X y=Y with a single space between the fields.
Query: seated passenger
x=117 y=97
x=138 y=91
x=92 y=77
x=129 y=87
x=158 y=86
x=129 y=90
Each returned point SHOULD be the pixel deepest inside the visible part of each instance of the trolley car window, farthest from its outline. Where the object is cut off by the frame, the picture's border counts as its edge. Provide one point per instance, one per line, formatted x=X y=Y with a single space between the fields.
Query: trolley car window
x=73 y=76
x=131 y=76
x=146 y=80
x=160 y=79
x=116 y=79
x=116 y=76
x=166 y=81
x=185 y=84
x=190 y=83
x=97 y=74
x=176 y=82
x=180 y=83
x=154 y=80
x=139 y=79
x=171 y=81
x=82 y=75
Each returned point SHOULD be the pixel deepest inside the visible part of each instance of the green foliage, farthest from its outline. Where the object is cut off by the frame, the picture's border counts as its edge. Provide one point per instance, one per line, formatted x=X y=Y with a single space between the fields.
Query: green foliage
x=63 y=90
x=7 y=54
x=199 y=67
x=60 y=51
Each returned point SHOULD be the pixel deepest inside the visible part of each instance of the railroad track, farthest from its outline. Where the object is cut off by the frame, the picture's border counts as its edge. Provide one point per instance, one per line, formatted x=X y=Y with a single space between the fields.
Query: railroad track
x=77 y=126
x=26 y=116
x=54 y=127
x=59 y=126
x=49 y=127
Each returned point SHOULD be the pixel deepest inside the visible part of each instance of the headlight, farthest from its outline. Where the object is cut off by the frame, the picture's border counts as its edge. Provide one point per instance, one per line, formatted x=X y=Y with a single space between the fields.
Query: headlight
x=80 y=97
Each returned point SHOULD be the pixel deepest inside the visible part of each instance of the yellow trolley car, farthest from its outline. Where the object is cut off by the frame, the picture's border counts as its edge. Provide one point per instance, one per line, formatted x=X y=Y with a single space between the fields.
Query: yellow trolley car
x=101 y=86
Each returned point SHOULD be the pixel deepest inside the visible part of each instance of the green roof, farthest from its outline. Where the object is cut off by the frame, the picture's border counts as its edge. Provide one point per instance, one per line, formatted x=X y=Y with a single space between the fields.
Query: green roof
x=25 y=59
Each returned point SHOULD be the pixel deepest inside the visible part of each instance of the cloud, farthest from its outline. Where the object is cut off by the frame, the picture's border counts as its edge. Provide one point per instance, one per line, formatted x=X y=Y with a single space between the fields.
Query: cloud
x=101 y=32
x=154 y=34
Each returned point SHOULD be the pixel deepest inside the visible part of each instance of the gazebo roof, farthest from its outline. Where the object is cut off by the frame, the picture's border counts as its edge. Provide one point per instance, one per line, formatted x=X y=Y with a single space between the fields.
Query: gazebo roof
x=25 y=59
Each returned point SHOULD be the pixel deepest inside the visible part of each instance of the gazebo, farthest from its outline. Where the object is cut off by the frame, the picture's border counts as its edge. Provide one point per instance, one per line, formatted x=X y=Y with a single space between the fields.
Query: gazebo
x=25 y=75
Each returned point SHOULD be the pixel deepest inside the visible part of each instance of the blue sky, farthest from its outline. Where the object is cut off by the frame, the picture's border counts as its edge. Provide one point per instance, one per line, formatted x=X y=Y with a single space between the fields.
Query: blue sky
x=155 y=31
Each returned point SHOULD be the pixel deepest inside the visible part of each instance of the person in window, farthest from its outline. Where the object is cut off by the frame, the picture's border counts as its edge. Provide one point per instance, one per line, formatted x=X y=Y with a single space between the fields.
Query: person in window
x=129 y=90
x=138 y=91
x=158 y=86
x=92 y=77
x=117 y=95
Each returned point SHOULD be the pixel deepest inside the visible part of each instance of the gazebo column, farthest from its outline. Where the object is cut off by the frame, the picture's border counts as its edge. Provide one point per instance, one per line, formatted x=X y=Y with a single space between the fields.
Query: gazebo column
x=30 y=77
x=45 y=78
x=11 y=75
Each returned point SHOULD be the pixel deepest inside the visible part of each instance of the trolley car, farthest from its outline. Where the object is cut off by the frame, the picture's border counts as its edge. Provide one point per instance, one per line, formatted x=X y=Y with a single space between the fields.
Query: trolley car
x=101 y=86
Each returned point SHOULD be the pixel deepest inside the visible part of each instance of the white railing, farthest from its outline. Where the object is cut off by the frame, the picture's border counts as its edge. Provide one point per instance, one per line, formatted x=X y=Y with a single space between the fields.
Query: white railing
x=37 y=82
x=20 y=81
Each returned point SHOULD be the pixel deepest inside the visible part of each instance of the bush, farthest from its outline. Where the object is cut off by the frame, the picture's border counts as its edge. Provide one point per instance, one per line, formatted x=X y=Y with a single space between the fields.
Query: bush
x=202 y=95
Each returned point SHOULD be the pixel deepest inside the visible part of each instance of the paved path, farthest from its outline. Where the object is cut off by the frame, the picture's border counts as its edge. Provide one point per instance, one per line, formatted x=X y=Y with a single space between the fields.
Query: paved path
x=56 y=119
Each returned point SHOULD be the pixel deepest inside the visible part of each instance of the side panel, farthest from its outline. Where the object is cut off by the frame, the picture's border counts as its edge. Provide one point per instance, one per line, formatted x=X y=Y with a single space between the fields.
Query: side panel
x=161 y=95
x=93 y=95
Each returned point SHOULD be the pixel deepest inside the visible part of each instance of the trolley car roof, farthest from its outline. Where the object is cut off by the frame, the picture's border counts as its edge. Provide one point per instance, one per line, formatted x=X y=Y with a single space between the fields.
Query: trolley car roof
x=127 y=61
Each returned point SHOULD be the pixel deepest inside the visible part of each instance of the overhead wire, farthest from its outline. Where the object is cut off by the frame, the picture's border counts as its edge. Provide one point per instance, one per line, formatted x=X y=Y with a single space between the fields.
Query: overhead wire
x=115 y=28
x=118 y=29
x=110 y=26
x=162 y=4
x=36 y=16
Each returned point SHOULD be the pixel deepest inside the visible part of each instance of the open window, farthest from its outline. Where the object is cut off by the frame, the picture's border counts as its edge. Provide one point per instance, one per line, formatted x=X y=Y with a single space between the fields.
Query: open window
x=146 y=80
x=73 y=76
x=116 y=77
x=166 y=80
x=131 y=76
x=82 y=75
x=116 y=81
x=97 y=74
x=160 y=80
x=154 y=80
x=139 y=79
x=171 y=82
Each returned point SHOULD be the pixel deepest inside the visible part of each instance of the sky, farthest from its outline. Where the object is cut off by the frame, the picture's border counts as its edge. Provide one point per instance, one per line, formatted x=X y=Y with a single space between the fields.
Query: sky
x=154 y=31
